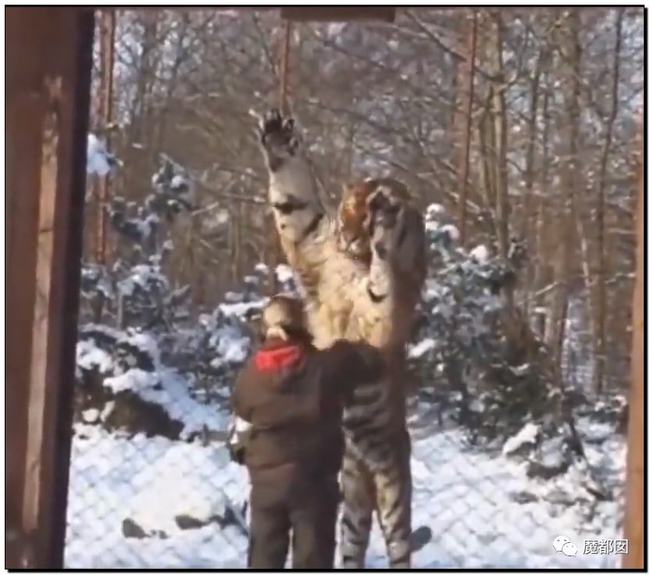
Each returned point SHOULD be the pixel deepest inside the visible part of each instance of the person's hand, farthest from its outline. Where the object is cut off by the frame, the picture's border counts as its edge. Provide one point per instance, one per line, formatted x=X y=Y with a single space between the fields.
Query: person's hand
x=238 y=436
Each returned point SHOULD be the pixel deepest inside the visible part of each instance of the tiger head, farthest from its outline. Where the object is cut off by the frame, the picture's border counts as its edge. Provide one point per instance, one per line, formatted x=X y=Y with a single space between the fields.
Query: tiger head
x=360 y=205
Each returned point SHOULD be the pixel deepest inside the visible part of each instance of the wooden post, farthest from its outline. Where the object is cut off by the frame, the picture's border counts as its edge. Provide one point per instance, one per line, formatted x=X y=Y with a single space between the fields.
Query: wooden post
x=635 y=491
x=49 y=53
x=105 y=113
x=338 y=13
x=101 y=183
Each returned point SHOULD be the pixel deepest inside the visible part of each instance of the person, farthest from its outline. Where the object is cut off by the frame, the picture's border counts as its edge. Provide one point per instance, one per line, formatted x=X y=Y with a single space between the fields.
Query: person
x=288 y=432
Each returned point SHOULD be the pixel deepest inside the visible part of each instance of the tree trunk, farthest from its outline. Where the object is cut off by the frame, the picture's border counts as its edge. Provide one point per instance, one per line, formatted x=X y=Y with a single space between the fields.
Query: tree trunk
x=467 y=94
x=570 y=185
x=600 y=295
x=181 y=54
x=542 y=270
x=486 y=142
x=236 y=253
x=529 y=174
x=104 y=117
x=501 y=154
x=146 y=77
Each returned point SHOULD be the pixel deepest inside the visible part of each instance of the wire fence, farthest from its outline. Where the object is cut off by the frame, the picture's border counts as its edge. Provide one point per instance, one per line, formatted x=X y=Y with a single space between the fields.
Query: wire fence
x=152 y=484
x=141 y=500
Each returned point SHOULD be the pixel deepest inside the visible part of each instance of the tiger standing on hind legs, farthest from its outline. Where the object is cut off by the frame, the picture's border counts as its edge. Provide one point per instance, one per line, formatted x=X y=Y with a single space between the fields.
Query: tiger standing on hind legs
x=376 y=466
x=367 y=293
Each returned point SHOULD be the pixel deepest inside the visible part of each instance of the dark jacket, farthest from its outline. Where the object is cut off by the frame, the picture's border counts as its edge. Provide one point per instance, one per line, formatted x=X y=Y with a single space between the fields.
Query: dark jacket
x=293 y=394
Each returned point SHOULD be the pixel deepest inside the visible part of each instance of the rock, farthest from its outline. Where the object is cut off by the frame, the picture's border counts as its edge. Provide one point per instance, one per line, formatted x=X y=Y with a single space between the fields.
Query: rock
x=134 y=414
x=187 y=522
x=552 y=457
x=420 y=537
x=561 y=497
x=542 y=470
x=131 y=529
x=523 y=497
x=128 y=411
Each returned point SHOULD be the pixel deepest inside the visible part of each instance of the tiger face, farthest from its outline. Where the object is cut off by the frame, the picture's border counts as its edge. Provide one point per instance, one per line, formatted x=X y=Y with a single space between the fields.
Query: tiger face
x=353 y=238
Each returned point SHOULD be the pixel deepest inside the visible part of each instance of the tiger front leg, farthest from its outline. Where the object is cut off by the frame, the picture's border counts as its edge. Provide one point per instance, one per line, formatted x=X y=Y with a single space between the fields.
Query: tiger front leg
x=396 y=229
x=382 y=281
x=293 y=195
x=375 y=314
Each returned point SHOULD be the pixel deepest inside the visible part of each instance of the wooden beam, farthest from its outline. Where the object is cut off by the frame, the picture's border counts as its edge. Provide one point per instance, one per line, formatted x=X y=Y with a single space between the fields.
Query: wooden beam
x=338 y=13
x=304 y=13
x=637 y=433
x=49 y=54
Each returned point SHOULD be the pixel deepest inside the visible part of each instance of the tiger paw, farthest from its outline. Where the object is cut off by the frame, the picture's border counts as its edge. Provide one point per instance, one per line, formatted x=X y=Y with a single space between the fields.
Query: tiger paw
x=384 y=204
x=381 y=224
x=278 y=138
x=382 y=209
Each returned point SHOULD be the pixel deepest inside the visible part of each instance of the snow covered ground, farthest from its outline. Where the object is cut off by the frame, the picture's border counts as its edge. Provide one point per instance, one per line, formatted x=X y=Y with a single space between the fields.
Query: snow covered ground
x=151 y=481
x=156 y=503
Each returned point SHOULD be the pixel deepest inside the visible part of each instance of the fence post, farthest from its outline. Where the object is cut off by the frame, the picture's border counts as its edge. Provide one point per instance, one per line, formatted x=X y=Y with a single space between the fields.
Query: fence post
x=49 y=53
x=635 y=490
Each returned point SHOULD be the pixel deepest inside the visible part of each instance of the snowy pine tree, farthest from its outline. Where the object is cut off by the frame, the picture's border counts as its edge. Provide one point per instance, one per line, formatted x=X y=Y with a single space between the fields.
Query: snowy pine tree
x=464 y=358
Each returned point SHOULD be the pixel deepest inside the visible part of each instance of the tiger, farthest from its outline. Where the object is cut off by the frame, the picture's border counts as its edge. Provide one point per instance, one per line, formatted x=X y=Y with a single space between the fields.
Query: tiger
x=366 y=293
x=376 y=462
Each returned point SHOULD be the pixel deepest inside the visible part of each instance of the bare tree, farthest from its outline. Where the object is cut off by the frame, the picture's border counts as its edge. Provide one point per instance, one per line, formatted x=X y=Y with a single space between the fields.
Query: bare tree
x=600 y=299
x=570 y=185
x=553 y=159
x=468 y=94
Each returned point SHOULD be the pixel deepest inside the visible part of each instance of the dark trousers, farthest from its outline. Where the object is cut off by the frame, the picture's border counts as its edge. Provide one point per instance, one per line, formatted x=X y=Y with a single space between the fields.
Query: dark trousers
x=307 y=512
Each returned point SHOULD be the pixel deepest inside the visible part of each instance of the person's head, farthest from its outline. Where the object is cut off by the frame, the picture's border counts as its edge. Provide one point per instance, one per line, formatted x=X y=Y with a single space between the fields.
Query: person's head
x=284 y=318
